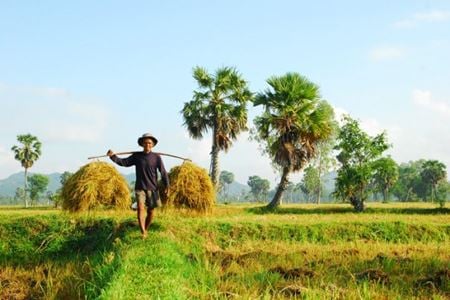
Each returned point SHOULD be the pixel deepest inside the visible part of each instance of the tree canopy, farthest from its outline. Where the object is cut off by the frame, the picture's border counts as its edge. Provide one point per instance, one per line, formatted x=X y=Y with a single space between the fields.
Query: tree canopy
x=27 y=153
x=432 y=173
x=385 y=175
x=357 y=152
x=294 y=120
x=226 y=178
x=219 y=105
x=38 y=185
x=259 y=187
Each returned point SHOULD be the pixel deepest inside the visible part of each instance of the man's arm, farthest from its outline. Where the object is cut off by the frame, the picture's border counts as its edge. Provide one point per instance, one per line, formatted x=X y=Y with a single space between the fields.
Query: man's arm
x=124 y=162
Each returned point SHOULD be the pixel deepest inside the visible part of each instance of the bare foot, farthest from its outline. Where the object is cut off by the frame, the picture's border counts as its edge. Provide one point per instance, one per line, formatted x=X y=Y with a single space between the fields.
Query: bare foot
x=144 y=235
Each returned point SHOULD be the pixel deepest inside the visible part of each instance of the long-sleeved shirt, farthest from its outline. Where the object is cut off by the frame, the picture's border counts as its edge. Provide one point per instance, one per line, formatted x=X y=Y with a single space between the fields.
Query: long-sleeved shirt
x=146 y=166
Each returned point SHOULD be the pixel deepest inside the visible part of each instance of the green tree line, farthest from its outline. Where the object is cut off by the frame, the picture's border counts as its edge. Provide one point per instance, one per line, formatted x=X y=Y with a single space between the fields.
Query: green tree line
x=298 y=131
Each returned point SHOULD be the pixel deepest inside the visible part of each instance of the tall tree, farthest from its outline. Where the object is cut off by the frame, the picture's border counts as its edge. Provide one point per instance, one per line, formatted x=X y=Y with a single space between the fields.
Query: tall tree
x=433 y=172
x=409 y=185
x=290 y=190
x=443 y=192
x=226 y=178
x=64 y=177
x=259 y=187
x=219 y=105
x=27 y=153
x=294 y=121
x=311 y=184
x=56 y=197
x=357 y=153
x=19 y=195
x=38 y=185
x=324 y=161
x=386 y=175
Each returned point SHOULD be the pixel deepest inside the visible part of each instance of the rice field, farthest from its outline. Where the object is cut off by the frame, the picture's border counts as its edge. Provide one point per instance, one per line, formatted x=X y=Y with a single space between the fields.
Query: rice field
x=391 y=251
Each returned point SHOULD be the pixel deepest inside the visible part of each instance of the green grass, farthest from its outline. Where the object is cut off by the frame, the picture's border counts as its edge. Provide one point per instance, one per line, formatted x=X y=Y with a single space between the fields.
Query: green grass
x=392 y=251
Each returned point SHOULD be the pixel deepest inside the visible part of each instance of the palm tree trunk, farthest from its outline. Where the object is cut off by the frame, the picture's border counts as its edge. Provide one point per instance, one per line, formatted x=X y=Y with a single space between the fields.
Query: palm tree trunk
x=214 y=160
x=358 y=202
x=433 y=189
x=385 y=195
x=26 y=188
x=320 y=190
x=319 y=169
x=408 y=195
x=276 y=201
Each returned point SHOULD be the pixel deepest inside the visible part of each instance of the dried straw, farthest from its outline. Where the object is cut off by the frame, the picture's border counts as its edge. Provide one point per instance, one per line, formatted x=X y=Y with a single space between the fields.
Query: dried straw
x=96 y=185
x=190 y=187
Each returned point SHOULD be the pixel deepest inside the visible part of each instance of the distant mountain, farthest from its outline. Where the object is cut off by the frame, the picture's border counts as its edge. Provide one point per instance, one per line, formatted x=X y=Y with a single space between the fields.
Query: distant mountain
x=9 y=185
x=236 y=189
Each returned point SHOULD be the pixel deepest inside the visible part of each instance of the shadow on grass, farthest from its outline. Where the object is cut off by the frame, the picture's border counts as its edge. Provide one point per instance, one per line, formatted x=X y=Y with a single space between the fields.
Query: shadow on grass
x=60 y=258
x=345 y=210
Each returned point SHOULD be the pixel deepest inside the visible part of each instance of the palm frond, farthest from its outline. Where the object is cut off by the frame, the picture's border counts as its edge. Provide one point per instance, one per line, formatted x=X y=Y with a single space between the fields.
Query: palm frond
x=195 y=118
x=29 y=152
x=295 y=120
x=202 y=77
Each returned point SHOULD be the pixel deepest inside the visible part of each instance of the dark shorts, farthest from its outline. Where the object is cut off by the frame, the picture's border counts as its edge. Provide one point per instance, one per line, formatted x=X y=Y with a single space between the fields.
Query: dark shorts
x=150 y=198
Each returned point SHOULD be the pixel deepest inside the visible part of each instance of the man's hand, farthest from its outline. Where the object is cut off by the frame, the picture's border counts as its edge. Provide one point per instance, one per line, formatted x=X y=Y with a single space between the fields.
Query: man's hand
x=110 y=153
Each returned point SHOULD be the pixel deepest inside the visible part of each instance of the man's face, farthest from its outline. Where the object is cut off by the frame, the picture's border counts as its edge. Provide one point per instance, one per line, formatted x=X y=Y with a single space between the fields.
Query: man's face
x=147 y=144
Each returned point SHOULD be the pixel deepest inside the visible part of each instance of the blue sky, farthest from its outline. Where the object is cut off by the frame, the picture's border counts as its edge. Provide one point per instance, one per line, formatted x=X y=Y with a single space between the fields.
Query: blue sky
x=86 y=76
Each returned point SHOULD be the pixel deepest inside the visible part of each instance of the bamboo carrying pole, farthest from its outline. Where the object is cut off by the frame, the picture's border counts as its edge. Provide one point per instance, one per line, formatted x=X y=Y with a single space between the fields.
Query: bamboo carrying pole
x=131 y=152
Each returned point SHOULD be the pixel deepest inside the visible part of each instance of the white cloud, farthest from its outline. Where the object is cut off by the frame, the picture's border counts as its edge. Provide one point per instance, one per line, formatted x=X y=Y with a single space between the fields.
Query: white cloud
x=413 y=143
x=339 y=114
x=65 y=124
x=34 y=91
x=81 y=122
x=371 y=126
x=198 y=150
x=404 y=24
x=52 y=113
x=423 y=132
x=245 y=159
x=51 y=92
x=434 y=16
x=386 y=53
x=425 y=100
x=415 y=134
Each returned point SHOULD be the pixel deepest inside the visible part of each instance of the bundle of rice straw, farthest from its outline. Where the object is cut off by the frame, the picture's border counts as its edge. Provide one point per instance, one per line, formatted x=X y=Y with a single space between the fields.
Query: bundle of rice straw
x=190 y=187
x=95 y=185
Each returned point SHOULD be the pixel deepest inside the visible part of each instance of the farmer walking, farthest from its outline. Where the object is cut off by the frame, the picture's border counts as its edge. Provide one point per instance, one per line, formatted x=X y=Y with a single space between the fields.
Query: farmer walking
x=146 y=188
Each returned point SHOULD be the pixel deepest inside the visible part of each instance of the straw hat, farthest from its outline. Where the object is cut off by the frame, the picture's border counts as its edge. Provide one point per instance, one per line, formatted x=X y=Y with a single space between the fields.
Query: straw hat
x=147 y=136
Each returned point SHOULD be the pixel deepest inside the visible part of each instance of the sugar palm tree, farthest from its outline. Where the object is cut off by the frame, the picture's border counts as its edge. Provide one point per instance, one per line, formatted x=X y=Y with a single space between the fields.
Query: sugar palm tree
x=219 y=105
x=386 y=175
x=27 y=154
x=294 y=121
x=432 y=173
